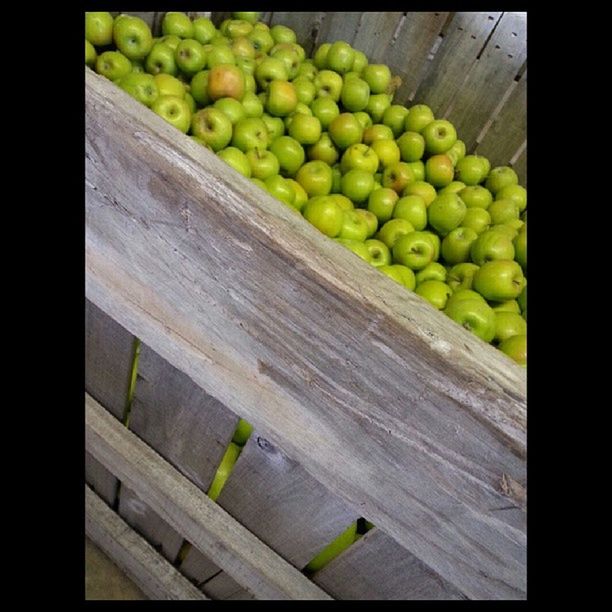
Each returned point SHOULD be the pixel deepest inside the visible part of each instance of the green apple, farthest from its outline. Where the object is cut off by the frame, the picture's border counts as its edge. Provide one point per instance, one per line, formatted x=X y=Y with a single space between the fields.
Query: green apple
x=223 y=471
x=439 y=170
x=456 y=245
x=440 y=135
x=328 y=84
x=263 y=163
x=252 y=105
x=282 y=98
x=355 y=94
x=113 y=65
x=395 y=117
x=290 y=154
x=242 y=432
x=357 y=246
x=333 y=549
x=178 y=24
x=520 y=249
x=418 y=169
x=325 y=214
x=452 y=187
x=508 y=324
x=516 y=348
x=499 y=280
x=377 y=105
x=261 y=39
x=418 y=118
x=432 y=271
x=392 y=230
x=167 y=85
x=226 y=81
x=140 y=86
x=337 y=181
x=325 y=110
x=364 y=119
x=320 y=56
x=235 y=158
x=274 y=125
x=174 y=110
x=289 y=57
x=462 y=295
x=170 y=40
x=375 y=132
x=491 y=245
x=474 y=315
x=199 y=88
x=301 y=197
x=513 y=192
x=359 y=156
x=340 y=57
x=243 y=49
x=193 y=107
x=90 y=54
x=397 y=176
x=369 y=218
x=412 y=208
x=381 y=202
x=250 y=133
x=411 y=146
x=247 y=65
x=415 y=250
x=461 y=275
x=354 y=227
x=282 y=34
x=502 y=211
x=507 y=306
x=476 y=196
x=435 y=292
x=190 y=56
x=457 y=151
x=501 y=177
x=217 y=55
x=281 y=189
x=387 y=151
x=380 y=255
x=345 y=130
x=471 y=170
x=232 y=108
x=423 y=189
x=315 y=177
x=268 y=70
x=213 y=127
x=307 y=70
x=305 y=90
x=323 y=150
x=250 y=17
x=203 y=30
x=477 y=219
x=99 y=28
x=133 y=37
x=446 y=213
x=522 y=302
x=357 y=185
x=378 y=77
x=237 y=28
x=400 y=274
x=341 y=200
x=161 y=60
x=305 y=129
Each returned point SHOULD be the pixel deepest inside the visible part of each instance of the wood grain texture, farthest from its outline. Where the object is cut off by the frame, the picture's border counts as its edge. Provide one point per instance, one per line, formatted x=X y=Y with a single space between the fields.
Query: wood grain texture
x=198 y=567
x=520 y=166
x=489 y=78
x=376 y=567
x=156 y=578
x=188 y=510
x=100 y=480
x=346 y=372
x=224 y=586
x=109 y=353
x=277 y=500
x=507 y=131
x=338 y=26
x=374 y=34
x=464 y=37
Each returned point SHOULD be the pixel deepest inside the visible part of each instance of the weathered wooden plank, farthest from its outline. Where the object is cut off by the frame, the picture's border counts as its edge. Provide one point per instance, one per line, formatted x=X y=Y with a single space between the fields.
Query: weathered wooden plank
x=374 y=34
x=347 y=373
x=100 y=480
x=283 y=505
x=507 y=131
x=152 y=573
x=188 y=510
x=377 y=568
x=408 y=55
x=224 y=586
x=338 y=26
x=490 y=77
x=464 y=37
x=198 y=567
x=303 y=24
x=520 y=165
x=109 y=353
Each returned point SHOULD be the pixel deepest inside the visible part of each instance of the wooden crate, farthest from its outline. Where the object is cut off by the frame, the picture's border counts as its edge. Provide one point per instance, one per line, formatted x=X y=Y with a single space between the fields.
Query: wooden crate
x=366 y=402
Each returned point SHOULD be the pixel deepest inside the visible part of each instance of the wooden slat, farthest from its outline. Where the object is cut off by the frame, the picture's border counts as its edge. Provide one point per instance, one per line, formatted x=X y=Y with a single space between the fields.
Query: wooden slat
x=277 y=500
x=507 y=131
x=377 y=568
x=408 y=55
x=347 y=382
x=338 y=26
x=303 y=24
x=520 y=166
x=374 y=34
x=490 y=77
x=100 y=480
x=198 y=567
x=188 y=510
x=152 y=573
x=224 y=586
x=464 y=37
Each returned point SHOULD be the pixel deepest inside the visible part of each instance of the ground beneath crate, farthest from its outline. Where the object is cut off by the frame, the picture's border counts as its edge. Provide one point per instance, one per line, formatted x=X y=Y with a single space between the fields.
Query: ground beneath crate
x=104 y=580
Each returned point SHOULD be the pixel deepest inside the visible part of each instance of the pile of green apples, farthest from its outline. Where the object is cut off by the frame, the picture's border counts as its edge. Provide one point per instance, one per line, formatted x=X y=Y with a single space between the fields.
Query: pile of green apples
x=392 y=184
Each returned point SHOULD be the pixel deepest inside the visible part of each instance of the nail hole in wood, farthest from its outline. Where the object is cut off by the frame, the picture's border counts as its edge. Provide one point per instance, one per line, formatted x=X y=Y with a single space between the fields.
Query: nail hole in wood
x=473 y=36
x=514 y=34
x=460 y=28
x=491 y=17
x=497 y=47
x=510 y=55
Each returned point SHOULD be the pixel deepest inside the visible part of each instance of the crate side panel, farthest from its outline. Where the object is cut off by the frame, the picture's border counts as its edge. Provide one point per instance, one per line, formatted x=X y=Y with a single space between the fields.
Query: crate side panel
x=100 y=479
x=464 y=37
x=223 y=586
x=375 y=33
x=198 y=567
x=520 y=166
x=338 y=26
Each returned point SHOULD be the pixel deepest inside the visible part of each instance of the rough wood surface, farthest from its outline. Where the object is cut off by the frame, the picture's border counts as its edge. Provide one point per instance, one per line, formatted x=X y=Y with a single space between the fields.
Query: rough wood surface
x=338 y=26
x=346 y=372
x=520 y=166
x=375 y=34
x=188 y=510
x=490 y=77
x=156 y=578
x=224 y=586
x=276 y=499
x=100 y=480
x=377 y=568
x=198 y=567
x=464 y=37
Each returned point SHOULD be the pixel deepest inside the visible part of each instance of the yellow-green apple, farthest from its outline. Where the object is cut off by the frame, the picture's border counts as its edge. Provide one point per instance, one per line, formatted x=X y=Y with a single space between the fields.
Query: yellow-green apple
x=340 y=57
x=356 y=246
x=268 y=70
x=315 y=177
x=499 y=280
x=456 y=245
x=520 y=249
x=457 y=151
x=178 y=24
x=508 y=324
x=414 y=250
x=247 y=65
x=516 y=348
x=323 y=150
x=400 y=274
x=375 y=132
x=440 y=135
x=461 y=275
x=250 y=133
x=364 y=119
x=355 y=94
x=307 y=70
x=387 y=151
x=439 y=170
x=476 y=196
x=193 y=107
x=213 y=127
x=261 y=39
x=320 y=57
x=360 y=61
x=491 y=245
x=354 y=227
x=474 y=315
x=282 y=34
x=446 y=213
x=304 y=89
x=113 y=65
x=174 y=110
x=359 y=156
x=203 y=30
x=380 y=255
x=219 y=55
x=418 y=117
x=99 y=28
x=190 y=56
x=132 y=36
x=392 y=230
x=418 y=169
x=138 y=67
x=242 y=432
x=161 y=60
x=281 y=189
x=274 y=125
x=252 y=105
x=289 y=57
x=328 y=84
x=378 y=77
x=301 y=197
x=140 y=86
x=502 y=211
x=171 y=40
x=235 y=158
x=223 y=471
x=369 y=218
x=290 y=154
x=432 y=271
x=357 y=185
x=423 y=189
x=199 y=88
x=167 y=85
x=395 y=117
x=452 y=187
x=226 y=81
x=237 y=28
x=461 y=295
x=513 y=192
x=522 y=302
x=333 y=549
x=435 y=292
x=501 y=177
x=305 y=129
x=411 y=146
x=345 y=130
x=232 y=108
x=507 y=306
x=325 y=214
x=413 y=209
x=263 y=163
x=90 y=54
x=471 y=169
x=397 y=176
x=282 y=98
x=245 y=16
x=477 y=219
x=325 y=110
x=377 y=105
x=342 y=200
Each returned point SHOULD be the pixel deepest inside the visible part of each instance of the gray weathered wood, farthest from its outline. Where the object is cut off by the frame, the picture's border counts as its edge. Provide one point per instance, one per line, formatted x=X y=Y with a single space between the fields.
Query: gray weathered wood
x=303 y=24
x=152 y=573
x=374 y=34
x=100 y=480
x=224 y=586
x=338 y=26
x=188 y=510
x=347 y=373
x=507 y=131
x=520 y=166
x=377 y=568
x=198 y=567
x=464 y=37
x=489 y=78
x=276 y=499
